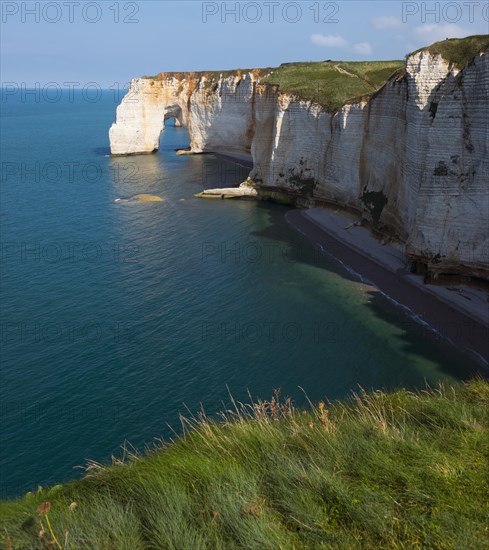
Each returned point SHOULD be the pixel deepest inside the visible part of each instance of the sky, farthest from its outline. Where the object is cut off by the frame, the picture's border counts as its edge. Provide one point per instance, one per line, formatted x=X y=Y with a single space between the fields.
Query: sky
x=109 y=42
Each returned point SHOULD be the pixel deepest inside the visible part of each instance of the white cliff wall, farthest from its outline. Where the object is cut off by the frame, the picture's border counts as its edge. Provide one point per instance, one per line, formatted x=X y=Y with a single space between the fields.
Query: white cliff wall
x=221 y=115
x=413 y=160
x=140 y=117
x=451 y=210
x=218 y=114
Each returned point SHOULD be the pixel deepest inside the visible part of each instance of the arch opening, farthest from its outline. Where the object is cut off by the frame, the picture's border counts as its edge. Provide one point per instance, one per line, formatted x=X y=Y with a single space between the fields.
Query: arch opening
x=173 y=118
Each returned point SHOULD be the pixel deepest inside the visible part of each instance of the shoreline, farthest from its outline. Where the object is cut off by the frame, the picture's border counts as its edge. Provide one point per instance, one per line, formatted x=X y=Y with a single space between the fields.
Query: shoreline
x=459 y=315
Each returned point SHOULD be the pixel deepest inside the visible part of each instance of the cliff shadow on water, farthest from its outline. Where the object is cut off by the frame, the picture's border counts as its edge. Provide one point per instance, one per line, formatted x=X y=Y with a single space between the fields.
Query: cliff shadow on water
x=433 y=341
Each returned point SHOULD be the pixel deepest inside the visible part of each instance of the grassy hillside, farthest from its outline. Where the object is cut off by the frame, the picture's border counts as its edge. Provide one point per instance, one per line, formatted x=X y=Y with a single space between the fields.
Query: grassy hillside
x=397 y=470
x=332 y=83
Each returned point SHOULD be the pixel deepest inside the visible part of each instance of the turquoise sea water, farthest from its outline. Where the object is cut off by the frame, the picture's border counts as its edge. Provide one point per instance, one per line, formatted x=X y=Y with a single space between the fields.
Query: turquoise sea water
x=118 y=315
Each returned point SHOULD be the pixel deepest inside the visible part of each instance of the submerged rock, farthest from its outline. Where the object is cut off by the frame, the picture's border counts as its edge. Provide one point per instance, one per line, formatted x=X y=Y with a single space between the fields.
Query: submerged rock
x=147 y=198
x=141 y=197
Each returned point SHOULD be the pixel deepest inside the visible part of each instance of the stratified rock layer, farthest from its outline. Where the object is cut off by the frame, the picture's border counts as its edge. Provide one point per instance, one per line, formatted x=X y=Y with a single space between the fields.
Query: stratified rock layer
x=413 y=159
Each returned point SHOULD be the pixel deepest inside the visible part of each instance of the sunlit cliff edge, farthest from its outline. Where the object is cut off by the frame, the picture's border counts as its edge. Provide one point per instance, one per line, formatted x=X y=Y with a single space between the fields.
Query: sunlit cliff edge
x=409 y=152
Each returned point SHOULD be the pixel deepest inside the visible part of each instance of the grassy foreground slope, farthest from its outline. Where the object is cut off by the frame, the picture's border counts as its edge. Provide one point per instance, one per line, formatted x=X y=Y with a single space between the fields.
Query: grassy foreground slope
x=398 y=470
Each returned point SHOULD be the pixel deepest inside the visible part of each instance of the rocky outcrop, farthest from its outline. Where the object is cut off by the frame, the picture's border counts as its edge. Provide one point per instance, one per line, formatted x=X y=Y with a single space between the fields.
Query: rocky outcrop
x=412 y=160
x=244 y=191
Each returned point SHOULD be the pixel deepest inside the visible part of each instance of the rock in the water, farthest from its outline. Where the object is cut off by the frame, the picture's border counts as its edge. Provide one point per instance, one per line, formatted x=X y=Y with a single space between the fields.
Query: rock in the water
x=141 y=197
x=241 y=192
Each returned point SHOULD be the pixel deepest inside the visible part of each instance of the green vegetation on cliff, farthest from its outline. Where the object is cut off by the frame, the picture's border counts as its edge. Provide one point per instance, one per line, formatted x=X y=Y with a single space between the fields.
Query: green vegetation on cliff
x=398 y=470
x=332 y=83
x=459 y=50
x=335 y=83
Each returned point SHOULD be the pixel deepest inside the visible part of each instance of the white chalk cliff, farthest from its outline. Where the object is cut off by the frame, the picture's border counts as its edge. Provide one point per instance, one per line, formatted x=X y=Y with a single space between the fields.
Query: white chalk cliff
x=413 y=159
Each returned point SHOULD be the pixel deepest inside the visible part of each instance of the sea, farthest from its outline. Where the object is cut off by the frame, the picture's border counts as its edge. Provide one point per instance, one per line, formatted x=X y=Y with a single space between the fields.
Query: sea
x=119 y=315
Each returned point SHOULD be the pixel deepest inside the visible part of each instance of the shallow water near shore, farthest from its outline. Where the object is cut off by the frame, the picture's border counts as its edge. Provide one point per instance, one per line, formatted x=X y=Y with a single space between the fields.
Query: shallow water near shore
x=116 y=314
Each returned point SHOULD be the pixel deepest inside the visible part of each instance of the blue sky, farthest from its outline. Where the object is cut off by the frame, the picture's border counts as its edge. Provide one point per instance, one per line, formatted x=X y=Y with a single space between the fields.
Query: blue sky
x=47 y=41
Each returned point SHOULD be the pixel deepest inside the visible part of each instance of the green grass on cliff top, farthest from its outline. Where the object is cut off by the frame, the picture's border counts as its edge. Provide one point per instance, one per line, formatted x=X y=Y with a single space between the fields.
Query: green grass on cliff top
x=329 y=83
x=333 y=83
x=459 y=51
x=394 y=471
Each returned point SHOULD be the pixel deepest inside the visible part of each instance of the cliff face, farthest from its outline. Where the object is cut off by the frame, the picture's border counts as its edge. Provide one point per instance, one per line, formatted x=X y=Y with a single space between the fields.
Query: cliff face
x=217 y=113
x=413 y=159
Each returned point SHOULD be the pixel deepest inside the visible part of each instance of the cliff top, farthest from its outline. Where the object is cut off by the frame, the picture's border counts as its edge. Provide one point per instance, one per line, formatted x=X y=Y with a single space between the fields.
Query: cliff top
x=329 y=83
x=383 y=470
x=335 y=83
x=332 y=83
x=210 y=75
x=458 y=51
